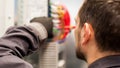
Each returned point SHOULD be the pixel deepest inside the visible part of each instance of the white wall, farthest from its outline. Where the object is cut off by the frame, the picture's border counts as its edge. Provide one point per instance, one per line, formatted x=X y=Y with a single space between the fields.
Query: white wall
x=6 y=15
x=2 y=17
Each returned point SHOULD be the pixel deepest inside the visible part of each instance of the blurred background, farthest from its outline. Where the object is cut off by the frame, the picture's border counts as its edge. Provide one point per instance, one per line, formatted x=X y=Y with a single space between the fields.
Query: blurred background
x=19 y=12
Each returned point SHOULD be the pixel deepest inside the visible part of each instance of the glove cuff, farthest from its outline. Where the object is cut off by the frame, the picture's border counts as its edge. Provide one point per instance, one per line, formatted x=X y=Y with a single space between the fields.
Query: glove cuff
x=40 y=29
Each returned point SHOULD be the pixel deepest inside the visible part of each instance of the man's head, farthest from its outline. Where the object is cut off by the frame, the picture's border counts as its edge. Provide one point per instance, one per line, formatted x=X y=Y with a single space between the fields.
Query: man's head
x=98 y=23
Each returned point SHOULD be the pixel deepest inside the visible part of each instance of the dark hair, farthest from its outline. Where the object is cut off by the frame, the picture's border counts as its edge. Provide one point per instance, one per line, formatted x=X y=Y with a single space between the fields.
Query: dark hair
x=104 y=16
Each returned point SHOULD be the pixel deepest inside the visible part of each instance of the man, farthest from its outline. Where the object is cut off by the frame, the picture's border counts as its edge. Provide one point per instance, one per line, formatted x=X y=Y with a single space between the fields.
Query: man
x=22 y=41
x=98 y=33
x=97 y=37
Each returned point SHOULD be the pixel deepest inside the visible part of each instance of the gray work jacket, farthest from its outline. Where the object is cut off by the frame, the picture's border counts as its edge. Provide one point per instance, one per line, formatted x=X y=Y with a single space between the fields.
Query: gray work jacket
x=17 y=43
x=112 y=61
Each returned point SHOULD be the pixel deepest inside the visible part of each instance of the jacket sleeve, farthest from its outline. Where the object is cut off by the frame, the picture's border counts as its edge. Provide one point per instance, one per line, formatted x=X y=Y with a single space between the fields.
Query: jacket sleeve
x=18 y=42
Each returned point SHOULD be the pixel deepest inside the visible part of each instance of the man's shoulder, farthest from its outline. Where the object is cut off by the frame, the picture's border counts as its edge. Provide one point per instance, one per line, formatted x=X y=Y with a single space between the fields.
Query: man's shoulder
x=107 y=62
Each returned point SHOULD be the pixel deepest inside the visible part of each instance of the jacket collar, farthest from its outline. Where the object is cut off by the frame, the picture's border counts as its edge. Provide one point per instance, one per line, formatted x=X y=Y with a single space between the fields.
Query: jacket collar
x=106 y=62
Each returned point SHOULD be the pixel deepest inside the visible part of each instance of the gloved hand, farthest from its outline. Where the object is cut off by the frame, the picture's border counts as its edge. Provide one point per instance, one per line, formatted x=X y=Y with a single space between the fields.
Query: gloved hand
x=47 y=23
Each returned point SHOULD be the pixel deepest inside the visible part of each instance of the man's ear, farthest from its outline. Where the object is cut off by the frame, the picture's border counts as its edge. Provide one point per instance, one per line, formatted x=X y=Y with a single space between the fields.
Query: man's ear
x=85 y=34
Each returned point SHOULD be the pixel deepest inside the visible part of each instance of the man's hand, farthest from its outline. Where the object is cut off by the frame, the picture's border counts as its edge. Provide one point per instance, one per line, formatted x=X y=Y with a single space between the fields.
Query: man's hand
x=47 y=23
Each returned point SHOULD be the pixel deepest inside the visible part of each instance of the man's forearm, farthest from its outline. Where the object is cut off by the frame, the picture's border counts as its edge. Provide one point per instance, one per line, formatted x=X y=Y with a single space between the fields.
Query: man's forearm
x=23 y=40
